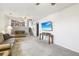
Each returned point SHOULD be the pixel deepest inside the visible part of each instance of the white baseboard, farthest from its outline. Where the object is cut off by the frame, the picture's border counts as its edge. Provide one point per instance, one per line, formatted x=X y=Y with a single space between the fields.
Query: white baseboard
x=66 y=47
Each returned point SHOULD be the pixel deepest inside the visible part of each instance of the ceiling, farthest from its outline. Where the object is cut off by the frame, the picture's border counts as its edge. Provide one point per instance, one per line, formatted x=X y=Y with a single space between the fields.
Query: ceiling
x=31 y=9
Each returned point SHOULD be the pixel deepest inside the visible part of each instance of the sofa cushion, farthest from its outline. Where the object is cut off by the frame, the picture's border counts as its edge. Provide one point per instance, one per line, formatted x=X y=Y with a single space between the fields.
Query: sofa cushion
x=6 y=36
x=10 y=41
x=1 y=38
x=4 y=47
x=5 y=53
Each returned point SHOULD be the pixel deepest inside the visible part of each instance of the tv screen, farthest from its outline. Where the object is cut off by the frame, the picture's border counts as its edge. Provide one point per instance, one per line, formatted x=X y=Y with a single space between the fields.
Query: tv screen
x=47 y=26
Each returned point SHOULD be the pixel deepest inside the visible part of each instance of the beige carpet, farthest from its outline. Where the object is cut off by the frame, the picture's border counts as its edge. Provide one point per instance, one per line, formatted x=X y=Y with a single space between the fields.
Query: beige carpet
x=31 y=46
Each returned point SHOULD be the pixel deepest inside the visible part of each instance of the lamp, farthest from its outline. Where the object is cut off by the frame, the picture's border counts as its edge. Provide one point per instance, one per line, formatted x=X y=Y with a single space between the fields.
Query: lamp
x=9 y=28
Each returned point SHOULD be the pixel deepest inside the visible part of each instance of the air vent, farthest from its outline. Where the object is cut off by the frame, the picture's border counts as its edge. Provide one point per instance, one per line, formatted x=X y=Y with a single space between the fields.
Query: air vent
x=53 y=3
x=50 y=4
x=37 y=3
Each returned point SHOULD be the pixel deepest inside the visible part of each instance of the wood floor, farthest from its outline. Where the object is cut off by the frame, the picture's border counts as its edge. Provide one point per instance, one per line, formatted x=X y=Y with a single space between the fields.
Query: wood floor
x=31 y=46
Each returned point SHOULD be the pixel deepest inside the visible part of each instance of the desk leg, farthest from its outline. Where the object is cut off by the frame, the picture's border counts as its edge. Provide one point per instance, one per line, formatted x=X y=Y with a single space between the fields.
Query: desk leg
x=42 y=36
x=49 y=40
x=52 y=39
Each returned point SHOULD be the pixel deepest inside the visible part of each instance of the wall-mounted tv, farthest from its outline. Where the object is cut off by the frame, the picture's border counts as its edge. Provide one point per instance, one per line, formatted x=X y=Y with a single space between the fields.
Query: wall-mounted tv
x=47 y=26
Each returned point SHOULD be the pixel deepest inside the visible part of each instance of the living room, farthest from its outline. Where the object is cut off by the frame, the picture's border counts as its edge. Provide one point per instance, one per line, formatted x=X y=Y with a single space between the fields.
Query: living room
x=50 y=29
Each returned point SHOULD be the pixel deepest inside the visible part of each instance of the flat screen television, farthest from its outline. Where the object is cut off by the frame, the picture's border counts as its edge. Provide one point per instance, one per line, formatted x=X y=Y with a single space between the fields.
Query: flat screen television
x=47 y=26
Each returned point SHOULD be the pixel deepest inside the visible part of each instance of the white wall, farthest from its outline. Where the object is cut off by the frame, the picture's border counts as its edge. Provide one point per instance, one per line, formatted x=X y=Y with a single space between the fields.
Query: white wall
x=2 y=22
x=66 y=27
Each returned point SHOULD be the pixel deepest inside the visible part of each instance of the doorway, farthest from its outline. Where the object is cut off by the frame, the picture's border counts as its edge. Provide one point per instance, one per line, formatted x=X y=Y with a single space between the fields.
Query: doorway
x=37 y=29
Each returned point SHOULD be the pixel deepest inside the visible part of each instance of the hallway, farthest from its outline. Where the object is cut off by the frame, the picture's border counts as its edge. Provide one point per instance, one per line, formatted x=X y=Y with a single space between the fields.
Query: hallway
x=30 y=46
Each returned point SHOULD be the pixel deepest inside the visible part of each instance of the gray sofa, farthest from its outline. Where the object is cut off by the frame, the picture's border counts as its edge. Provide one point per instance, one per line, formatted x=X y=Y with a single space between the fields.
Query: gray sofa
x=6 y=39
